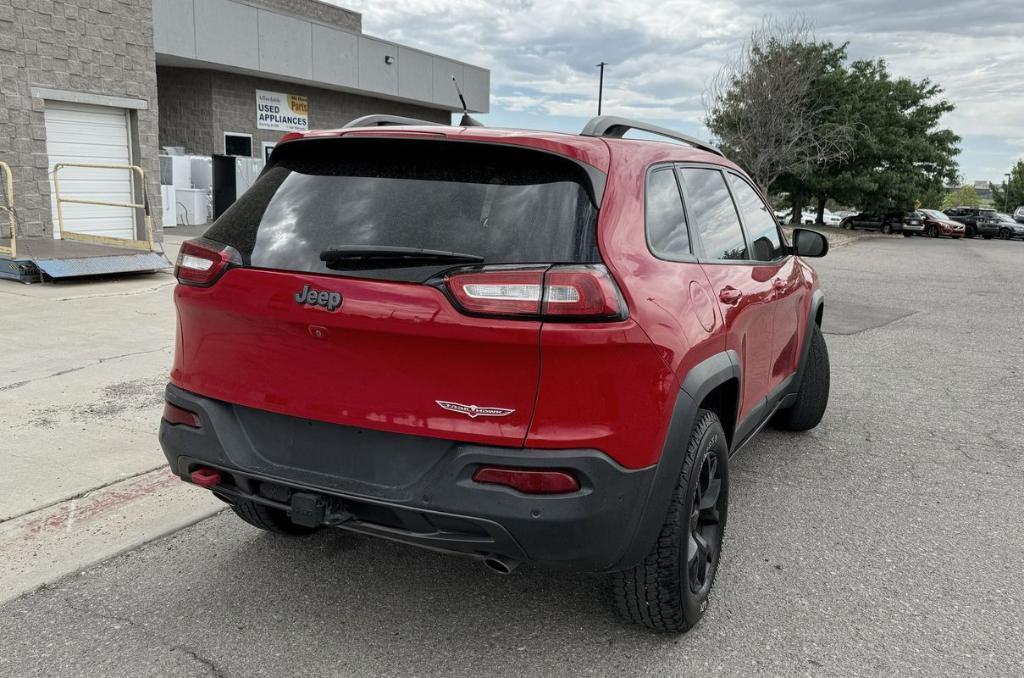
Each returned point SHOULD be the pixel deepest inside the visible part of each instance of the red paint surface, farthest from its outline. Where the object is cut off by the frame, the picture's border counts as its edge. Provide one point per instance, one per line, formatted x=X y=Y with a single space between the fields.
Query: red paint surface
x=393 y=349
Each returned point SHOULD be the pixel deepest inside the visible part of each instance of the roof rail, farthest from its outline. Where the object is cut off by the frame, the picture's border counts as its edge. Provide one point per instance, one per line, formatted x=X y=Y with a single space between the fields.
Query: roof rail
x=381 y=120
x=614 y=126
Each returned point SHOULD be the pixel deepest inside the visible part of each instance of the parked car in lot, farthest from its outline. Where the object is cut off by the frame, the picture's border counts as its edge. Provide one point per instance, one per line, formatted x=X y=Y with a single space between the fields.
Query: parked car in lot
x=886 y=221
x=810 y=217
x=459 y=339
x=976 y=220
x=1009 y=227
x=1018 y=214
x=938 y=224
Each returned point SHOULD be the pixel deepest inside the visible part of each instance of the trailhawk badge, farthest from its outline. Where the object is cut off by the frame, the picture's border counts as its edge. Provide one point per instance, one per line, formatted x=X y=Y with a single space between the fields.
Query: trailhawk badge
x=474 y=411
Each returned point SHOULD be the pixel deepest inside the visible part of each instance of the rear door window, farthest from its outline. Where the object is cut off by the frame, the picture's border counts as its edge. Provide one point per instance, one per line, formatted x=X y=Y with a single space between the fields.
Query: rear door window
x=504 y=204
x=714 y=214
x=765 y=241
x=665 y=218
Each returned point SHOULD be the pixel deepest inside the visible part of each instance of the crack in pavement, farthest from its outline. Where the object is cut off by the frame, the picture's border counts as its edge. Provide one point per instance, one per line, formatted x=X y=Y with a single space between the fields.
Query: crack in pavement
x=92 y=363
x=84 y=493
x=215 y=670
x=101 y=295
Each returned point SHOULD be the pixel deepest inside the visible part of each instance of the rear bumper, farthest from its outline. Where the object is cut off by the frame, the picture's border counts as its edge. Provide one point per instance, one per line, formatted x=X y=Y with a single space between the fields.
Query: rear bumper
x=415 y=490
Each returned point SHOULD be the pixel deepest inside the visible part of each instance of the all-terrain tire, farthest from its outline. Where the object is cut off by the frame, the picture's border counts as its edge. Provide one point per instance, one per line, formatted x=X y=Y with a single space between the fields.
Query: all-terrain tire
x=269 y=519
x=812 y=399
x=657 y=593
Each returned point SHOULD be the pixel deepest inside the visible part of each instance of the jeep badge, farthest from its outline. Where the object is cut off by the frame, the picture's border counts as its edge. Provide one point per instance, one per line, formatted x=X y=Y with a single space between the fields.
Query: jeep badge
x=309 y=296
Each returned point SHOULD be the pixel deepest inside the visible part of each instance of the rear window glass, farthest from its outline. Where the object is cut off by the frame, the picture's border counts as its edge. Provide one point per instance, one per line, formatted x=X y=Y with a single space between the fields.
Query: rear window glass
x=715 y=214
x=504 y=204
x=666 y=220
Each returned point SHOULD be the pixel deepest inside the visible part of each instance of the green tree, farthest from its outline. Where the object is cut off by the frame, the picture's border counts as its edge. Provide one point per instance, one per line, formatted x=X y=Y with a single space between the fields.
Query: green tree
x=966 y=197
x=932 y=197
x=899 y=152
x=767 y=108
x=1009 y=195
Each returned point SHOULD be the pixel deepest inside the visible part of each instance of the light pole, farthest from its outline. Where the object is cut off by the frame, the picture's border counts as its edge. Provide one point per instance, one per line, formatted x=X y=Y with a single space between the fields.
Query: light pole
x=600 y=86
x=1006 y=193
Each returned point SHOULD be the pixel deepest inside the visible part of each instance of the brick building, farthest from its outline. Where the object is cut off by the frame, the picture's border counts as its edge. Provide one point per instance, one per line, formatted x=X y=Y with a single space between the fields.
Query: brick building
x=115 y=81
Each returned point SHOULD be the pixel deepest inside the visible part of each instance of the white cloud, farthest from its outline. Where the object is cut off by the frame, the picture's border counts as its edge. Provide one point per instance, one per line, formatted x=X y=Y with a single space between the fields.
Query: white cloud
x=542 y=55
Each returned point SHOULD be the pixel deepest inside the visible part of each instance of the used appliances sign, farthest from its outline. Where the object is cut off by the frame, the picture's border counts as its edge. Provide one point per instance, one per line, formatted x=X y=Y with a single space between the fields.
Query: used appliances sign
x=286 y=112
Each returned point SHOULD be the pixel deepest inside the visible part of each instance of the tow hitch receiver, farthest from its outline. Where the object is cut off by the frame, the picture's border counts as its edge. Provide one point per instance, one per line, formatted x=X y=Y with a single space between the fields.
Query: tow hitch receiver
x=308 y=509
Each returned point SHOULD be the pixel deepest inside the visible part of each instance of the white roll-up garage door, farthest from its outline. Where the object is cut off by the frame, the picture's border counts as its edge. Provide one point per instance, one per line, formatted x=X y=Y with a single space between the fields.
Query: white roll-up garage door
x=80 y=133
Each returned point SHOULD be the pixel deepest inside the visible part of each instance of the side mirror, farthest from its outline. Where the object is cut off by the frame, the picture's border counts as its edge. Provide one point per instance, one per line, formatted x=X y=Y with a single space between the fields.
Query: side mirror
x=807 y=243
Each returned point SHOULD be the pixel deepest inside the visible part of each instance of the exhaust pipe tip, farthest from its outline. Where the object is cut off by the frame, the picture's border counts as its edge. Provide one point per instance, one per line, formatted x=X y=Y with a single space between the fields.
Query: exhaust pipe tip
x=500 y=565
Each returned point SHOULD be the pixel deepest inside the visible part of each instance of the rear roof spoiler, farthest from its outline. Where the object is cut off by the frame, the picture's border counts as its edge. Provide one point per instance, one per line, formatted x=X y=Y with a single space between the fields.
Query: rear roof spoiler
x=615 y=127
x=382 y=120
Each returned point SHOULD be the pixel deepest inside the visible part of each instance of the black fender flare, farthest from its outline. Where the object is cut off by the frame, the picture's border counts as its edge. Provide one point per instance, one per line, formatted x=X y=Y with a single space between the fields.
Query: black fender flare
x=817 y=305
x=698 y=383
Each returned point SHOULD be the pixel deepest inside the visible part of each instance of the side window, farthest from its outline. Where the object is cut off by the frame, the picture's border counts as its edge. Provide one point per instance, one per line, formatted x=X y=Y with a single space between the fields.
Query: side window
x=761 y=228
x=715 y=216
x=665 y=218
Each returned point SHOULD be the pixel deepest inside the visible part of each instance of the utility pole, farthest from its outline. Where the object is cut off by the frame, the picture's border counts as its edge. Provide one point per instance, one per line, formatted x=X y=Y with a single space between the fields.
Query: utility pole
x=600 y=86
x=1006 y=193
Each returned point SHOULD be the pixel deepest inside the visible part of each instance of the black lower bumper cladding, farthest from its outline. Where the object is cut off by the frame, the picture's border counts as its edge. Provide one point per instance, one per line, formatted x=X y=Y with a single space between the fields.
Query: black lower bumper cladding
x=412 y=489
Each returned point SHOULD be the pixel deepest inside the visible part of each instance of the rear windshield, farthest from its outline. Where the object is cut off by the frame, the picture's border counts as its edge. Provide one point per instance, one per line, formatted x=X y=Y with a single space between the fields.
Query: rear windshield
x=504 y=204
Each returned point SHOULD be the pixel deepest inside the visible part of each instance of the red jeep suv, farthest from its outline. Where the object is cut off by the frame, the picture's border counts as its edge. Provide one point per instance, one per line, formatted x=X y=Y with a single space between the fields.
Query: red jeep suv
x=510 y=345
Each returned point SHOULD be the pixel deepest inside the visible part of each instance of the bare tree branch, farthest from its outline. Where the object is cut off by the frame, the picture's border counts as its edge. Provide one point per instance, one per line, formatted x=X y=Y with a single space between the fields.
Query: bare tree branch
x=762 y=104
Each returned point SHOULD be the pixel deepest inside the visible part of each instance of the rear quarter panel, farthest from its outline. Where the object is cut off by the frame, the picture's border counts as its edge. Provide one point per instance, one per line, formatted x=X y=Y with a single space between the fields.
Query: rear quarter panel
x=632 y=374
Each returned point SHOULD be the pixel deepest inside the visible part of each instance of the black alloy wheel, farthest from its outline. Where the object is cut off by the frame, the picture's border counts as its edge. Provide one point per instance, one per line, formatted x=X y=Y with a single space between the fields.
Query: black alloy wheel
x=1005 y=234
x=705 y=542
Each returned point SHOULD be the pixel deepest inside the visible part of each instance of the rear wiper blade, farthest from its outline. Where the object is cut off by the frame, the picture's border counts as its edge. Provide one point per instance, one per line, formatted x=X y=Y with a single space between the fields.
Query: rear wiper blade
x=371 y=256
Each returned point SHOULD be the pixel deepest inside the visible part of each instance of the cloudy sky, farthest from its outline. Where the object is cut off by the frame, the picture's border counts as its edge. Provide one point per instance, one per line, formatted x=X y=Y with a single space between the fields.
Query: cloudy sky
x=661 y=54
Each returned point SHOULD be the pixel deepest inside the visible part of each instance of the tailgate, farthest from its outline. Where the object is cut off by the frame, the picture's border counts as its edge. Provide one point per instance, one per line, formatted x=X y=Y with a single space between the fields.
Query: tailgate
x=394 y=356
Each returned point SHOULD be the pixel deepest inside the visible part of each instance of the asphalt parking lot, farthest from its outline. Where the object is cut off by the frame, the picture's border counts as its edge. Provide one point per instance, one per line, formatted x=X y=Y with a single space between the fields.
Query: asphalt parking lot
x=887 y=541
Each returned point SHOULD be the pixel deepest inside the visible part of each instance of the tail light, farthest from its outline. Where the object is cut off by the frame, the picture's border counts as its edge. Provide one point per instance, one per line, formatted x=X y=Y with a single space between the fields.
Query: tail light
x=568 y=293
x=179 y=415
x=201 y=262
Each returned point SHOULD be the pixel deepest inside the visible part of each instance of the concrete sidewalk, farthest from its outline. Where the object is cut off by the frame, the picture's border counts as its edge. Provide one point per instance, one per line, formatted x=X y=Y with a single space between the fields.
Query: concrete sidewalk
x=81 y=393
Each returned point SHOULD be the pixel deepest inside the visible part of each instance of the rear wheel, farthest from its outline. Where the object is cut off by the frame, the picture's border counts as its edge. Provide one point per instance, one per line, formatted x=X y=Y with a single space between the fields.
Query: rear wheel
x=269 y=519
x=668 y=591
x=812 y=398
x=886 y=228
x=1005 y=234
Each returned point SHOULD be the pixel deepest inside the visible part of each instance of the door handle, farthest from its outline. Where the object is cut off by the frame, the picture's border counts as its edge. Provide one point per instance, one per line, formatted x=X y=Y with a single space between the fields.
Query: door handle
x=778 y=284
x=730 y=295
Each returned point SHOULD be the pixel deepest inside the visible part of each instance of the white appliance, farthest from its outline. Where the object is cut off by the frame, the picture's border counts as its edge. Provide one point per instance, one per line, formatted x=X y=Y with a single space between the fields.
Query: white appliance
x=192 y=206
x=167 y=202
x=246 y=172
x=202 y=171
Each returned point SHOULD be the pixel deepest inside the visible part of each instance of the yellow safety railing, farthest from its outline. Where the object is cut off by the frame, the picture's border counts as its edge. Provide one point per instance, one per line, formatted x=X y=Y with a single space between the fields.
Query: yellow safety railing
x=8 y=180
x=66 y=234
